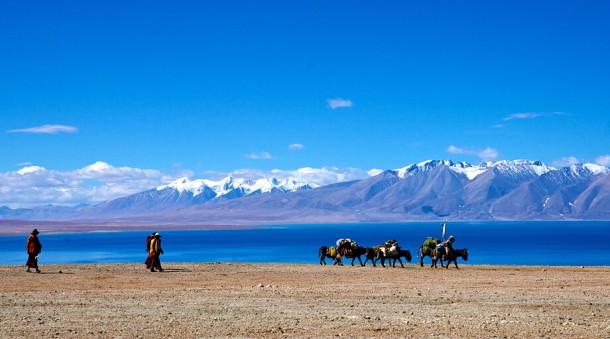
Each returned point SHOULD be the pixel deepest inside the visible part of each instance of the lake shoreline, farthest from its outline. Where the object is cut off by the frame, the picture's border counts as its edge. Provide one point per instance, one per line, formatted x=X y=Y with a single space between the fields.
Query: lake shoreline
x=18 y=227
x=304 y=300
x=21 y=227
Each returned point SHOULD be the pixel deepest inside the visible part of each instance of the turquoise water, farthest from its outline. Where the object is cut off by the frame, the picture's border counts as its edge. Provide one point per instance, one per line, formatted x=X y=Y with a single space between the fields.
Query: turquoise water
x=496 y=243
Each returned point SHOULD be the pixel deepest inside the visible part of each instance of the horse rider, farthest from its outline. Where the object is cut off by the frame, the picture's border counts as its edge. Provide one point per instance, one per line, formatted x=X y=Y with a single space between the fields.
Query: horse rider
x=446 y=247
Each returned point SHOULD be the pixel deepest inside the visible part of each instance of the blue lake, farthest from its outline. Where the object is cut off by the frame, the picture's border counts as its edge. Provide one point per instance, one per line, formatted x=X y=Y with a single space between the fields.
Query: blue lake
x=496 y=243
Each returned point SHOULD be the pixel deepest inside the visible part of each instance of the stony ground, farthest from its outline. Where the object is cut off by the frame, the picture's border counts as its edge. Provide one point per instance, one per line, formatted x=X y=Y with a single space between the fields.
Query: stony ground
x=285 y=300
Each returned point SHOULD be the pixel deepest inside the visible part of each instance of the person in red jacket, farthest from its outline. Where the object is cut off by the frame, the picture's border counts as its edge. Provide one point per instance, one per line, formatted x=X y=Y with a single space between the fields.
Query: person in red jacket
x=33 y=247
x=155 y=251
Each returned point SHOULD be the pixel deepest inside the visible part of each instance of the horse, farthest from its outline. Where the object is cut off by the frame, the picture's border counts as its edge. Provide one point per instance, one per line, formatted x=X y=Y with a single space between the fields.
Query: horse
x=454 y=254
x=329 y=252
x=371 y=254
x=355 y=253
x=425 y=251
x=399 y=254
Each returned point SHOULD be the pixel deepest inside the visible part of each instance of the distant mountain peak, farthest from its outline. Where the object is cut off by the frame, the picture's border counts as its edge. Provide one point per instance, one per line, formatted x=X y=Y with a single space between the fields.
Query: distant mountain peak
x=231 y=186
x=462 y=167
x=185 y=185
x=523 y=167
x=588 y=169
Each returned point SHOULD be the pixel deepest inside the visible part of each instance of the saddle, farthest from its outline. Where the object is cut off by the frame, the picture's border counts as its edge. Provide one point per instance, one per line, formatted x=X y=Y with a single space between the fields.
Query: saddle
x=332 y=251
x=389 y=248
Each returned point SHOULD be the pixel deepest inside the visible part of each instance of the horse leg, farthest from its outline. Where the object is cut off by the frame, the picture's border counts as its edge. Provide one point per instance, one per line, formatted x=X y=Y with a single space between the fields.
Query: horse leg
x=360 y=260
x=400 y=261
x=449 y=262
x=421 y=260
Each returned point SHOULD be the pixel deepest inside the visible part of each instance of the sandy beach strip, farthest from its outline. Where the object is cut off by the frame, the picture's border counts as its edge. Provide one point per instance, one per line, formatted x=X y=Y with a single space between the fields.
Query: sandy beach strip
x=303 y=300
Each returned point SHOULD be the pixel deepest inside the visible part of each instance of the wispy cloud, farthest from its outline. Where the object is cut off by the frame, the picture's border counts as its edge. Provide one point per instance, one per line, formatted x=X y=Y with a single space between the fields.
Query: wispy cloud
x=487 y=154
x=523 y=116
x=603 y=160
x=262 y=155
x=296 y=146
x=46 y=129
x=339 y=103
x=565 y=162
x=532 y=115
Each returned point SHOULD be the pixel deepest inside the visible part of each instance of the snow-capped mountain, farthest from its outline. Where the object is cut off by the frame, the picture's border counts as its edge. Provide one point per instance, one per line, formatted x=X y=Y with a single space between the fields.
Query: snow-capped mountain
x=503 y=190
x=235 y=187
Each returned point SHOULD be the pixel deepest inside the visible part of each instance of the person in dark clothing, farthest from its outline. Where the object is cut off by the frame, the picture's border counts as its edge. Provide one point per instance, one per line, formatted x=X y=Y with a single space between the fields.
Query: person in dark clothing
x=148 y=257
x=155 y=252
x=33 y=247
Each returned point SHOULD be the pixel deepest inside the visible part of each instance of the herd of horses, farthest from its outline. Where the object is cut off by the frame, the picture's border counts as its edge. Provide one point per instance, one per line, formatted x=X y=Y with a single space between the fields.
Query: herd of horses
x=374 y=254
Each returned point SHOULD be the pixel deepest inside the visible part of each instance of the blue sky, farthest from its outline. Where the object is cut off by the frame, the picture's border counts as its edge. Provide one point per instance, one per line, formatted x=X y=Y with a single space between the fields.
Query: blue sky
x=204 y=89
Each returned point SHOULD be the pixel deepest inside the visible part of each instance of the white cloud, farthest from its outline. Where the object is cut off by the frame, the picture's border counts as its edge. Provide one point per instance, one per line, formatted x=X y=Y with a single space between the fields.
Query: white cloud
x=603 y=160
x=296 y=146
x=46 y=129
x=339 y=103
x=529 y=115
x=532 y=115
x=30 y=169
x=487 y=154
x=96 y=183
x=454 y=150
x=262 y=155
x=565 y=161
x=317 y=176
x=373 y=172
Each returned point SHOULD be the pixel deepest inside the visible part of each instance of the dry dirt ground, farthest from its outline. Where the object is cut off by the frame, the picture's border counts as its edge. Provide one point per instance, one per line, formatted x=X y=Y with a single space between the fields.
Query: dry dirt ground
x=286 y=300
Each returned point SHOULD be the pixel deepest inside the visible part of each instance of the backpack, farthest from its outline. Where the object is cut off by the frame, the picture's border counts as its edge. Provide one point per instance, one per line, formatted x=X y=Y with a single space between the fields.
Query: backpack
x=148 y=239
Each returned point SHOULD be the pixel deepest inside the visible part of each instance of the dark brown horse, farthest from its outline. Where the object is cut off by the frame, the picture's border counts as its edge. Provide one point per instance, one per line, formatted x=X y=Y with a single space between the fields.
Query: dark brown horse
x=355 y=253
x=425 y=251
x=330 y=252
x=453 y=255
x=371 y=254
x=399 y=254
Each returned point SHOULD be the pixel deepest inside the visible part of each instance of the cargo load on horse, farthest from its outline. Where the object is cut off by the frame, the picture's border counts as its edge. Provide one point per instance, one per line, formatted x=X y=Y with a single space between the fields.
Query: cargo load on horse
x=331 y=252
x=431 y=243
x=347 y=243
x=445 y=247
x=389 y=248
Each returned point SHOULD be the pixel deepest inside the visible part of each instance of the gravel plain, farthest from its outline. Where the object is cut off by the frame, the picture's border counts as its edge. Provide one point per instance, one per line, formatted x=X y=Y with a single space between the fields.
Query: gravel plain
x=208 y=300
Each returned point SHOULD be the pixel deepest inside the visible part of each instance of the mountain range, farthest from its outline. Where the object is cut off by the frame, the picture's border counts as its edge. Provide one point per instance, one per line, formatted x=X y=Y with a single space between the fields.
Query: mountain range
x=430 y=190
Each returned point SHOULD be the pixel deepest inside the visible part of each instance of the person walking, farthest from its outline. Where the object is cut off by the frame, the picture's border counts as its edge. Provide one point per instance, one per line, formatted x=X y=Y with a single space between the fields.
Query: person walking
x=33 y=247
x=148 y=256
x=155 y=252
